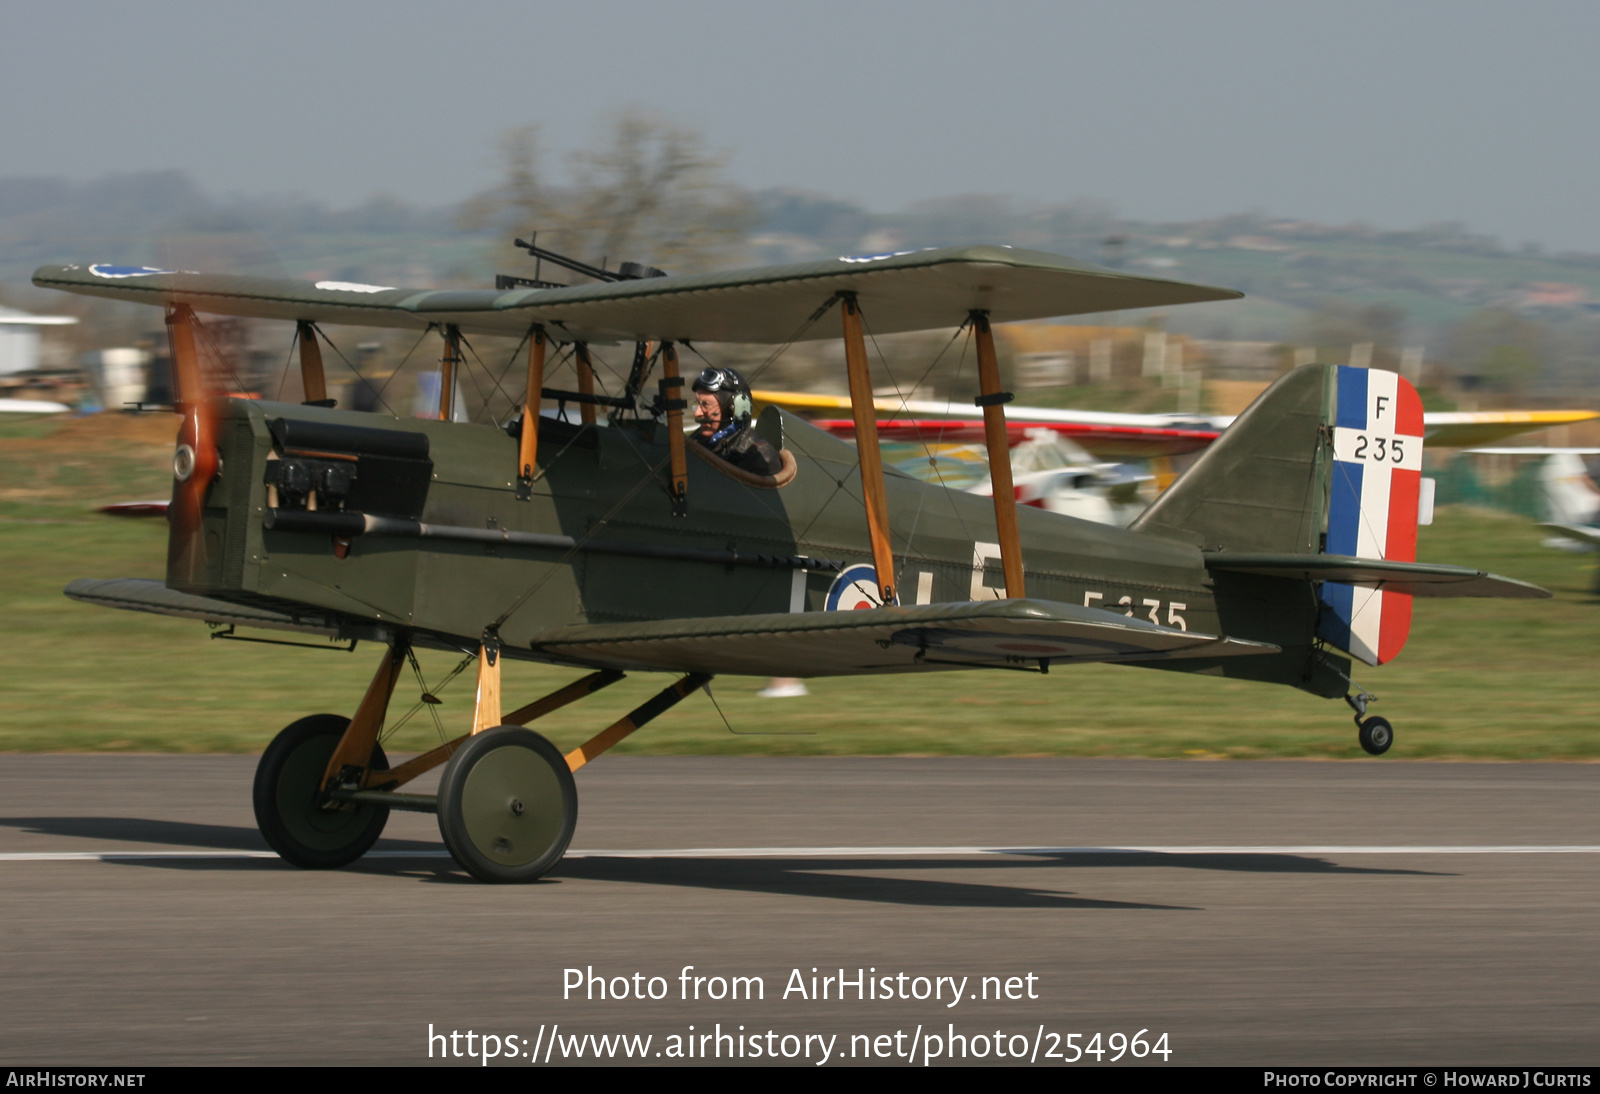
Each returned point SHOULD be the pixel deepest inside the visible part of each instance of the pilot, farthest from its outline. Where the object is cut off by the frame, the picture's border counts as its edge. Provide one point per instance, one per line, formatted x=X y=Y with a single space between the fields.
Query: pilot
x=722 y=406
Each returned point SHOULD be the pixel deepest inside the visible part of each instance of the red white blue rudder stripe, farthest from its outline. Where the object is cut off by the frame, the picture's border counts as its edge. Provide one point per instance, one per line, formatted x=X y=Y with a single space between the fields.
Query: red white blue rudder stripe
x=1372 y=508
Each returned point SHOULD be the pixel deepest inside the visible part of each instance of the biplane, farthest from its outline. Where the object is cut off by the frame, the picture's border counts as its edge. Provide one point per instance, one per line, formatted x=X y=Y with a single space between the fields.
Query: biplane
x=1111 y=434
x=616 y=545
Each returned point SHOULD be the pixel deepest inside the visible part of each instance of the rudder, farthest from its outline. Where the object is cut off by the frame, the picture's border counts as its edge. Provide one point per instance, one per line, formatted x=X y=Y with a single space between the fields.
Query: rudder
x=1327 y=460
x=1375 y=484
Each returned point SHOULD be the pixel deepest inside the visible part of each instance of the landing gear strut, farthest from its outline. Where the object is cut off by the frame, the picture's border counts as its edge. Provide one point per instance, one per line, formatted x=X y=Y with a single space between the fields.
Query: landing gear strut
x=1375 y=733
x=507 y=802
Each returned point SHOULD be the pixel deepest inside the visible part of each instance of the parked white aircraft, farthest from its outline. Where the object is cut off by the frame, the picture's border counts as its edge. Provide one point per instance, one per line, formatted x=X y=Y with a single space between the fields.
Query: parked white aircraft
x=1571 y=498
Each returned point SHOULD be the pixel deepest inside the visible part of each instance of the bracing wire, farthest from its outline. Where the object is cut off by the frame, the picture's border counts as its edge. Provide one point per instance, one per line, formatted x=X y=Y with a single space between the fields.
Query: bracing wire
x=927 y=450
x=318 y=332
x=706 y=687
x=416 y=669
x=219 y=357
x=581 y=543
x=793 y=338
x=483 y=400
x=379 y=393
x=288 y=363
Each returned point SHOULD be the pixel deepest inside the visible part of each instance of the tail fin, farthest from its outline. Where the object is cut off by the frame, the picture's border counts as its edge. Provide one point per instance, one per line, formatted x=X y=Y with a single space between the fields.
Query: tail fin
x=1260 y=487
x=1327 y=460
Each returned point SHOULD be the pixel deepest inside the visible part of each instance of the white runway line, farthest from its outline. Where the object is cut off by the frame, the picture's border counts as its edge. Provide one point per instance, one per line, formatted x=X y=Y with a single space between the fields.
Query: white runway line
x=865 y=852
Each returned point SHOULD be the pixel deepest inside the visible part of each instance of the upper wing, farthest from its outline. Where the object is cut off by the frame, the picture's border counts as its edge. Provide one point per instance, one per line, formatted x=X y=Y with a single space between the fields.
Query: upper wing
x=1467 y=429
x=1100 y=441
x=1111 y=435
x=1102 y=434
x=1032 y=415
x=1412 y=578
x=917 y=290
x=996 y=634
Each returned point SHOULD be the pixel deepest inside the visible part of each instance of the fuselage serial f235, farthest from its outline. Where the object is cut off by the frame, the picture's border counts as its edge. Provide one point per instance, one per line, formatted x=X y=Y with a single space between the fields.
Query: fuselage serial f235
x=1284 y=551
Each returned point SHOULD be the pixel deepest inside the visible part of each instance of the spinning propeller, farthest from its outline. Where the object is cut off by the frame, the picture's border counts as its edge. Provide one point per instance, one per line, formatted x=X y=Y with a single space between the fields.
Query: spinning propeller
x=195 y=460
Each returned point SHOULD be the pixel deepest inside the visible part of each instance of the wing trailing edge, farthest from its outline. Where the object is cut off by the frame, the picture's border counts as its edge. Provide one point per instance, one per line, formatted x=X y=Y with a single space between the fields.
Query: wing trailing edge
x=981 y=634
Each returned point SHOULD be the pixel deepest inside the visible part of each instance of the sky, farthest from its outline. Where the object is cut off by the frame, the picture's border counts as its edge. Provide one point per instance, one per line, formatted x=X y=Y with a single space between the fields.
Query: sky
x=1396 y=114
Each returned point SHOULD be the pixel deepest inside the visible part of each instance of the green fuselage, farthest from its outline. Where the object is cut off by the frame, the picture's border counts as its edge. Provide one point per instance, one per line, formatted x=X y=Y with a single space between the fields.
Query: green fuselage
x=610 y=484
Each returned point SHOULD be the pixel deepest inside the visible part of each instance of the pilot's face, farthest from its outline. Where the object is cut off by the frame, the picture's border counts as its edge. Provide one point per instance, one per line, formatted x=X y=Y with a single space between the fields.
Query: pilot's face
x=708 y=412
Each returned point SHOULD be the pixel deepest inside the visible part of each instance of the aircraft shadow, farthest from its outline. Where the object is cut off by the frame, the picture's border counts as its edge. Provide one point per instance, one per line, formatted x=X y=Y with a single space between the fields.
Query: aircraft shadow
x=852 y=878
x=842 y=878
x=855 y=879
x=139 y=830
x=797 y=877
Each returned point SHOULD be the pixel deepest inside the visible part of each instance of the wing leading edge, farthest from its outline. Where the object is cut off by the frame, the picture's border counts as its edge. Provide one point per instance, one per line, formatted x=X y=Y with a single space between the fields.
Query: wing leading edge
x=917 y=290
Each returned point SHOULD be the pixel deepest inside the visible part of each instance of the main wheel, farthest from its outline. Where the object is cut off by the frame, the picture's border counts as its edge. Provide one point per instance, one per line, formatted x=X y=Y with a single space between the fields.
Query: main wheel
x=1376 y=735
x=507 y=805
x=288 y=784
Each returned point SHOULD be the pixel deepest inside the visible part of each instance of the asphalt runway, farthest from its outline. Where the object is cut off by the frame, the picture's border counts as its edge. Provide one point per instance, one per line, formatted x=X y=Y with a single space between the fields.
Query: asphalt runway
x=1280 y=913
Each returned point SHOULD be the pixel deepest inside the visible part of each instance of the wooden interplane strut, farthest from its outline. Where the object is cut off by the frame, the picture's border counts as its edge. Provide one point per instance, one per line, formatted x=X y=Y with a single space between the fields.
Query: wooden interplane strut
x=528 y=447
x=993 y=401
x=188 y=381
x=672 y=397
x=447 y=371
x=865 y=414
x=312 y=380
x=585 y=381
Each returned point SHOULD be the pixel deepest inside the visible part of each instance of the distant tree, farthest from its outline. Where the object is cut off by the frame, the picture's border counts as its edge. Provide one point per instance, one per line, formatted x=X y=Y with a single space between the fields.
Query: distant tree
x=647 y=191
x=1335 y=325
x=1498 y=348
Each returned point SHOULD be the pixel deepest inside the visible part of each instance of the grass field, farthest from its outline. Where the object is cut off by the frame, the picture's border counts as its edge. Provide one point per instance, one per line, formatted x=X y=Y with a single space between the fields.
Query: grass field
x=1480 y=679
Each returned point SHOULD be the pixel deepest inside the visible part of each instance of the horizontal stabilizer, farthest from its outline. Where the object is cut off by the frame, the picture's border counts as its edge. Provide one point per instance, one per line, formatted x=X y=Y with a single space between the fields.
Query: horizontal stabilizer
x=1580 y=533
x=1412 y=578
x=999 y=634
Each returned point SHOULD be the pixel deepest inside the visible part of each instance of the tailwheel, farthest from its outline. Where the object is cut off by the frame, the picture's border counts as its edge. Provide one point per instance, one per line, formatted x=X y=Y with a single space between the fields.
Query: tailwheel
x=297 y=823
x=1376 y=735
x=507 y=805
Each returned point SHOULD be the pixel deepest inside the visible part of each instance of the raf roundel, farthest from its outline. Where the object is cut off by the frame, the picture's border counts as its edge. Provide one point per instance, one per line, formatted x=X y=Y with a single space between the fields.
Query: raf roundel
x=117 y=272
x=856 y=587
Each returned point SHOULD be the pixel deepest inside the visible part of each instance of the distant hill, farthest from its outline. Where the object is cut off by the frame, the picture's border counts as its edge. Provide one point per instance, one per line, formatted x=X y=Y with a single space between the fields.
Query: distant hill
x=163 y=218
x=1437 y=274
x=1403 y=285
